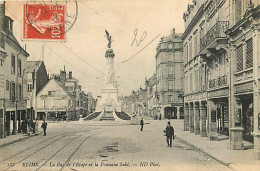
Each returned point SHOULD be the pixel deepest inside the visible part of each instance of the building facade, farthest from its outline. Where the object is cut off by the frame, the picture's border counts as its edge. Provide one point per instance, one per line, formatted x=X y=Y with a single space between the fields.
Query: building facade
x=222 y=70
x=13 y=83
x=169 y=67
x=244 y=56
x=54 y=102
x=37 y=78
x=152 y=101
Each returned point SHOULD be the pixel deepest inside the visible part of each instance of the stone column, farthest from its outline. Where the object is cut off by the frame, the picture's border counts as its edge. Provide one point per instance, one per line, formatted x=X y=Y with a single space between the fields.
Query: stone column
x=191 y=118
x=213 y=135
x=203 y=120
x=178 y=113
x=186 y=118
x=236 y=136
x=196 y=119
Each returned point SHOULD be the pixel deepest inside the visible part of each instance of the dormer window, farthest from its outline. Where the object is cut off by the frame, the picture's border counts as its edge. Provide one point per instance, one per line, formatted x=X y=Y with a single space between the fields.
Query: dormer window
x=8 y=23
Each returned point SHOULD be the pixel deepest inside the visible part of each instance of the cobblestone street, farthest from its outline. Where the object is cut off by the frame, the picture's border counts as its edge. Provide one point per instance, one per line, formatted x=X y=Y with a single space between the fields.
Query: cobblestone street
x=106 y=145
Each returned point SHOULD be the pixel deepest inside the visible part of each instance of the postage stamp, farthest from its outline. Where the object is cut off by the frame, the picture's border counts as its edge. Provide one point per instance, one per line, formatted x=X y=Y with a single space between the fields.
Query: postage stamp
x=44 y=21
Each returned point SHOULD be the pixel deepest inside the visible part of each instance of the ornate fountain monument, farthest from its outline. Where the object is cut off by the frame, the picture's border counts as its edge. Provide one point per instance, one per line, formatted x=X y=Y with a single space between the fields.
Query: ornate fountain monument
x=108 y=106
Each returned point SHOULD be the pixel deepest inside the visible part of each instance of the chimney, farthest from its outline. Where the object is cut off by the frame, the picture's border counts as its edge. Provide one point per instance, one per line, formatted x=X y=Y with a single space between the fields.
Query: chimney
x=70 y=75
x=63 y=76
x=173 y=33
x=2 y=13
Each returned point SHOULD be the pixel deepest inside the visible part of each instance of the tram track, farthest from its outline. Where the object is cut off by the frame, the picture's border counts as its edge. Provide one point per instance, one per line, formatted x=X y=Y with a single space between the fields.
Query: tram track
x=70 y=156
x=34 y=152
x=37 y=144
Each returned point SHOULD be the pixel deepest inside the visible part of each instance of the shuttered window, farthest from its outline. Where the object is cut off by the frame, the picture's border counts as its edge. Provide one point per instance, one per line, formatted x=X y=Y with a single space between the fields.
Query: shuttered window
x=249 y=53
x=238 y=10
x=239 y=58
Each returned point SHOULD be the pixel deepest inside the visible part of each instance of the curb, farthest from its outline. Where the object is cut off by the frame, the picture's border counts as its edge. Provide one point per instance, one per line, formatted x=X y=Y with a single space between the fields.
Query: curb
x=16 y=140
x=206 y=153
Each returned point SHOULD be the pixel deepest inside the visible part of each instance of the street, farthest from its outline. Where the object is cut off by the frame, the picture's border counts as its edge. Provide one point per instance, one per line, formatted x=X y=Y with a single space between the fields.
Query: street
x=103 y=145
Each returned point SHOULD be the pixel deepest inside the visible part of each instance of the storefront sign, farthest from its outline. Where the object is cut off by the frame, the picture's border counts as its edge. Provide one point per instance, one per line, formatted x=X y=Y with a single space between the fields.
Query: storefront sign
x=52 y=109
x=238 y=117
x=213 y=115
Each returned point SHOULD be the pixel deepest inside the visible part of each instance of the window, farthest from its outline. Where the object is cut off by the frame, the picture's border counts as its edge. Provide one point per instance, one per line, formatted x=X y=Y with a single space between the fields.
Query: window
x=195 y=45
x=51 y=93
x=44 y=103
x=170 y=70
x=19 y=92
x=170 y=84
x=13 y=64
x=12 y=91
x=191 y=83
x=169 y=98
x=196 y=80
x=7 y=85
x=29 y=87
x=239 y=58
x=249 y=53
x=2 y=41
x=19 y=67
x=190 y=50
x=11 y=26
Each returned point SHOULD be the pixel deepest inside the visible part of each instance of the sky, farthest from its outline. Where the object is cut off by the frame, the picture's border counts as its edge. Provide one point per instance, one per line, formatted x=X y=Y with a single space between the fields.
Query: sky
x=83 y=52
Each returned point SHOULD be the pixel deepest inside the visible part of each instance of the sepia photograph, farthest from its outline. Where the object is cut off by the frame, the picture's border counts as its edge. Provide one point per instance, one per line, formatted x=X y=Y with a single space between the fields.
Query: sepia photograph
x=140 y=85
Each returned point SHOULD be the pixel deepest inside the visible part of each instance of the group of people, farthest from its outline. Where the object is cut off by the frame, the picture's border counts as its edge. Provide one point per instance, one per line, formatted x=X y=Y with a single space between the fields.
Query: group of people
x=28 y=126
x=169 y=132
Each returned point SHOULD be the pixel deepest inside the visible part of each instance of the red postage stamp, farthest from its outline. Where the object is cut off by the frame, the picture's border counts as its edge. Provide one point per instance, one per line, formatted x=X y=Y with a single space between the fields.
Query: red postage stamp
x=44 y=21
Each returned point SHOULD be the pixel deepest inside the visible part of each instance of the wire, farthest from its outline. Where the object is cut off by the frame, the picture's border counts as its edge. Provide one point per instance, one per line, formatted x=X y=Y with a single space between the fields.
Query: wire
x=141 y=49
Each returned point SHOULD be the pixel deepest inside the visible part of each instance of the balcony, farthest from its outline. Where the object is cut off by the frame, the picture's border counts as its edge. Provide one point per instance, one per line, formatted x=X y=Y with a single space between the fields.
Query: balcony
x=213 y=36
x=220 y=81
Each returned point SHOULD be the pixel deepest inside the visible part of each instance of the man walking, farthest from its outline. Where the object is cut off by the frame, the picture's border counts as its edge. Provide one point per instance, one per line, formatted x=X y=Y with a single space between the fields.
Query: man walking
x=169 y=134
x=44 y=127
x=142 y=124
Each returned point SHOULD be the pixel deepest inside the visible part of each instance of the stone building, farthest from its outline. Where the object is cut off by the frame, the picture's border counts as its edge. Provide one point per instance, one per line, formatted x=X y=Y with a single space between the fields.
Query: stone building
x=169 y=67
x=244 y=41
x=37 y=77
x=13 y=86
x=54 y=102
x=206 y=67
x=221 y=70
x=152 y=101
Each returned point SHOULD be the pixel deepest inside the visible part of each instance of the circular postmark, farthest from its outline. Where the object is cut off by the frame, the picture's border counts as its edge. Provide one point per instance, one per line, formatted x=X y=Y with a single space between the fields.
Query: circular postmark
x=49 y=19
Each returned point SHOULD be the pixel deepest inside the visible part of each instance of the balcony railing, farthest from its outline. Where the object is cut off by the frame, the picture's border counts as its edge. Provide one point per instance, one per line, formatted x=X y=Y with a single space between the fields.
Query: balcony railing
x=220 y=81
x=217 y=31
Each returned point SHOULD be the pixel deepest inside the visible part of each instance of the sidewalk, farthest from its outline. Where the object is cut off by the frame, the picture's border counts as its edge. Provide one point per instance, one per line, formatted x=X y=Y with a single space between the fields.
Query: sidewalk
x=219 y=150
x=13 y=138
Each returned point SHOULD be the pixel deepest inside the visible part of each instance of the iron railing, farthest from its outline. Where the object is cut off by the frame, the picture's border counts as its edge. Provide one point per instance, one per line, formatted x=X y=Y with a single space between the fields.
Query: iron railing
x=217 y=31
x=220 y=81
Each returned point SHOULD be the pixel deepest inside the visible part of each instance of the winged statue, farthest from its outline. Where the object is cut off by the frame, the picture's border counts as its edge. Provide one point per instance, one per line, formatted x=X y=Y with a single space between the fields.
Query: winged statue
x=109 y=38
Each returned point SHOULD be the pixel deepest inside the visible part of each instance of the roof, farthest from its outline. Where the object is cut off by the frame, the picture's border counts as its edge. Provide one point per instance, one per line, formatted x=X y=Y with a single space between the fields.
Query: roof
x=11 y=36
x=62 y=87
x=33 y=66
x=171 y=37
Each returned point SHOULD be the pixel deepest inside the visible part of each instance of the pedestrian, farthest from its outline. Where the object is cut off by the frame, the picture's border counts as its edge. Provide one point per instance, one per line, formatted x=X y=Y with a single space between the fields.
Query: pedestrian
x=169 y=134
x=36 y=125
x=142 y=124
x=23 y=126
x=44 y=127
x=32 y=124
x=160 y=117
